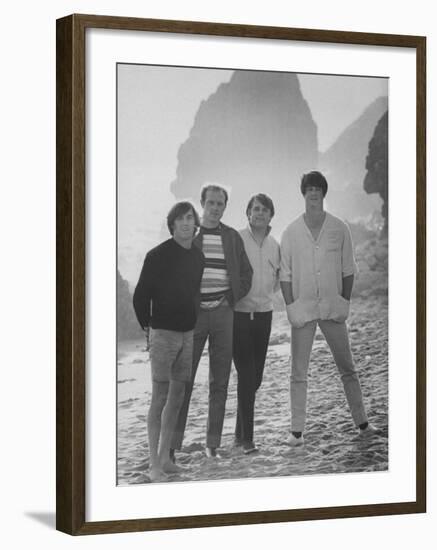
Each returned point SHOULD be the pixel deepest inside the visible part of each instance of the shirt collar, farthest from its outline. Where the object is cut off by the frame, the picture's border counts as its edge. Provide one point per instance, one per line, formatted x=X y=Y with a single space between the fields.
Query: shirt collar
x=322 y=229
x=249 y=228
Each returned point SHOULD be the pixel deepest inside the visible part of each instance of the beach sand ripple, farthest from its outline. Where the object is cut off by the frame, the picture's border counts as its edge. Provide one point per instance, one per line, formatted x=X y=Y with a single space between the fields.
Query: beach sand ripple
x=332 y=444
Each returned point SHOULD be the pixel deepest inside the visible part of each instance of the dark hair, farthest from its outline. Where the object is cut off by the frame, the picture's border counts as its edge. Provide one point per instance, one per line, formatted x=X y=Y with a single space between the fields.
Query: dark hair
x=179 y=209
x=212 y=187
x=265 y=200
x=313 y=179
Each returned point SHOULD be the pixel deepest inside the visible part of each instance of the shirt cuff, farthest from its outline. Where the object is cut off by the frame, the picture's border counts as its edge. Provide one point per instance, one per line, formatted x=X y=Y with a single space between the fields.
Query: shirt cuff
x=351 y=271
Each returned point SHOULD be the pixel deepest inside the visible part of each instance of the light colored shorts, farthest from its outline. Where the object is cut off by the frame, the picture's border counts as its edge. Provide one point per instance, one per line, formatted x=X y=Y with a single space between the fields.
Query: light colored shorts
x=171 y=355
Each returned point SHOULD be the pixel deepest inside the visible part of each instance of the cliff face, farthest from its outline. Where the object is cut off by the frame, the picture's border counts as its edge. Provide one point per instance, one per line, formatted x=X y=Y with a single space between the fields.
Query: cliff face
x=344 y=165
x=127 y=324
x=376 y=178
x=254 y=134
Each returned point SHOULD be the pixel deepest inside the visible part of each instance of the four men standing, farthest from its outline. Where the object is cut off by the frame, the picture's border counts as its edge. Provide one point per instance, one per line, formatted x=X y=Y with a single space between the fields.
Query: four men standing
x=218 y=287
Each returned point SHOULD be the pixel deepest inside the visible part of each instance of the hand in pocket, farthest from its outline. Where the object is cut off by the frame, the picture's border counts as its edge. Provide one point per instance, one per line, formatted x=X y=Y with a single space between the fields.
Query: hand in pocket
x=295 y=315
x=340 y=310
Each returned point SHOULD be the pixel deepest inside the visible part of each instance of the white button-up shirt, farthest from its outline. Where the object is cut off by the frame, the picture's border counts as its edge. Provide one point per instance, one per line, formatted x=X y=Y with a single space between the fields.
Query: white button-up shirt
x=265 y=261
x=316 y=267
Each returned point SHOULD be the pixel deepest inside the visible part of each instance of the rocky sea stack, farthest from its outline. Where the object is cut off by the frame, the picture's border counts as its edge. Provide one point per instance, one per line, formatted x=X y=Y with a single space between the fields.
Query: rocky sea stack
x=254 y=134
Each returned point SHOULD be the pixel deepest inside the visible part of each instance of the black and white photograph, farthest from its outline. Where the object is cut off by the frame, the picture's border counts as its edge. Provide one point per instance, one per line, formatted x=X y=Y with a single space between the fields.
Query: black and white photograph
x=176 y=168
x=252 y=274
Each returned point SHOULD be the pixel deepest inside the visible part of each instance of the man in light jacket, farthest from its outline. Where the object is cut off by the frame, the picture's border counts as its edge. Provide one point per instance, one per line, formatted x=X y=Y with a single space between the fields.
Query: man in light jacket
x=317 y=275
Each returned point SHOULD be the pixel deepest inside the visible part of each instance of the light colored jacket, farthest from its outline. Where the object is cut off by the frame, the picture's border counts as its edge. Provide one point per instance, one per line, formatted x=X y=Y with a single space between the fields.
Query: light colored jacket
x=265 y=261
x=316 y=268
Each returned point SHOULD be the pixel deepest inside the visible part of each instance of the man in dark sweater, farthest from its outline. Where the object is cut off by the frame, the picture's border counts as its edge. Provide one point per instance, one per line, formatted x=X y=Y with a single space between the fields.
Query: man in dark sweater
x=166 y=301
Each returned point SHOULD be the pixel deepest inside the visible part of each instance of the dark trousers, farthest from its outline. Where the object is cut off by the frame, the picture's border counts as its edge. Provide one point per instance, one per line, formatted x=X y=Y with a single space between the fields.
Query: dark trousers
x=250 y=343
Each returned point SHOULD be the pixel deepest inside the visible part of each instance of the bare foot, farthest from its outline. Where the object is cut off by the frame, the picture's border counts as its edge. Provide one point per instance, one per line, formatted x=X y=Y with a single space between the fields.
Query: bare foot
x=156 y=475
x=170 y=468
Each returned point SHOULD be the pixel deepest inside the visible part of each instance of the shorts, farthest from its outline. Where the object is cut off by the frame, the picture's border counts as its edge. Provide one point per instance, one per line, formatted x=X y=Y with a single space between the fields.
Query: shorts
x=171 y=355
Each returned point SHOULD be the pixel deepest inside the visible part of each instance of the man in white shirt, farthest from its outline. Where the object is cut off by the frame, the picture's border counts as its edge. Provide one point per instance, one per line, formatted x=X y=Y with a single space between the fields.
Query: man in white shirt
x=317 y=275
x=253 y=314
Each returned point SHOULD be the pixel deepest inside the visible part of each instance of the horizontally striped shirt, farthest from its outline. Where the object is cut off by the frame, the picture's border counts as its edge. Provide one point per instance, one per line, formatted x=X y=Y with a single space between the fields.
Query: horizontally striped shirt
x=215 y=280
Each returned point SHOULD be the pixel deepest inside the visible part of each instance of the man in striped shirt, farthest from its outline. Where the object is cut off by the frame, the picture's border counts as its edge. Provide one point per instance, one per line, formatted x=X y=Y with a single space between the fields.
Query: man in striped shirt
x=227 y=278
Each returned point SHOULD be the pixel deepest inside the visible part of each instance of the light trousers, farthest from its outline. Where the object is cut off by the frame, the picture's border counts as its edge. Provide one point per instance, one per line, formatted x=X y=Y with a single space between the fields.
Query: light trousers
x=337 y=337
x=214 y=326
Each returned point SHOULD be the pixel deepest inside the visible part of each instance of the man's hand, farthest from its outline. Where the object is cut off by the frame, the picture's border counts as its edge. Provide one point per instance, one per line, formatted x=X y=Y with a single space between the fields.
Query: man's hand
x=341 y=309
x=348 y=283
x=295 y=317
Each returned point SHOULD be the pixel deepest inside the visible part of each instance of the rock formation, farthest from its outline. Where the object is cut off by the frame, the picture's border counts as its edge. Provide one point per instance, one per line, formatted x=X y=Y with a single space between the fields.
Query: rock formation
x=344 y=165
x=254 y=134
x=376 y=179
x=127 y=324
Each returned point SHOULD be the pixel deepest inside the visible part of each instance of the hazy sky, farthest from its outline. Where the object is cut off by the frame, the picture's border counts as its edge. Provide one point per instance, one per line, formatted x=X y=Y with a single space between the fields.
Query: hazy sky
x=336 y=101
x=156 y=110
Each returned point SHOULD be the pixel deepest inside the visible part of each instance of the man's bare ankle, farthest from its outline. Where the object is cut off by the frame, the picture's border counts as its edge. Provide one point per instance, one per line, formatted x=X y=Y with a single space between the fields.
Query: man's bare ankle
x=156 y=473
x=170 y=467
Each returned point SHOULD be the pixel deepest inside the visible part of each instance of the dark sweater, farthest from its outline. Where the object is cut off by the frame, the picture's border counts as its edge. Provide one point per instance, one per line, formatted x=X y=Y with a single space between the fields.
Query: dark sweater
x=168 y=291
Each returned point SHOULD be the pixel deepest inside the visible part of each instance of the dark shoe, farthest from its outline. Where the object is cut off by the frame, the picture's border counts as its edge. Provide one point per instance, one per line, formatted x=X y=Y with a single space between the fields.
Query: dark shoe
x=211 y=452
x=249 y=448
x=237 y=442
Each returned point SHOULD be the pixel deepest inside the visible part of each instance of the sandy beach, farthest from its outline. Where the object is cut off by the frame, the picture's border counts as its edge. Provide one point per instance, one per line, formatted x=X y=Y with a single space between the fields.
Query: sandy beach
x=332 y=444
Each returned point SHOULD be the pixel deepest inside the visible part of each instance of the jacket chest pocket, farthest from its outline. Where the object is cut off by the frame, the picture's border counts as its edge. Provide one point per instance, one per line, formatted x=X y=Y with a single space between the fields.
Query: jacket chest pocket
x=334 y=241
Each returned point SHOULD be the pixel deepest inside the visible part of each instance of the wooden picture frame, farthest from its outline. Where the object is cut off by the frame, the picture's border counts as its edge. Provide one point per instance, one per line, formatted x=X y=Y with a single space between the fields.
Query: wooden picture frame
x=71 y=261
